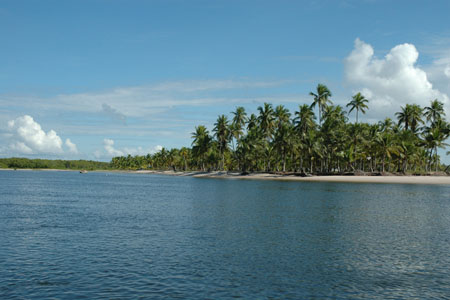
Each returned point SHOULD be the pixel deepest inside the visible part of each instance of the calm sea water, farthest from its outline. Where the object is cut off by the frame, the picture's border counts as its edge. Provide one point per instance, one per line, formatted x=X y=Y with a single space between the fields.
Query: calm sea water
x=67 y=235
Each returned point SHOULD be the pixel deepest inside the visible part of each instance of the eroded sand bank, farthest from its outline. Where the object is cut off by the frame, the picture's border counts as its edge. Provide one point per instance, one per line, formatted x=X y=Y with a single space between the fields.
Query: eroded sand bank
x=267 y=176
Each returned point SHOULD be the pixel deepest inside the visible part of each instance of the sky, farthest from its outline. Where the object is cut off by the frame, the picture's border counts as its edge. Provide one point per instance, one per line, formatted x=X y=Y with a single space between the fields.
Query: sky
x=100 y=78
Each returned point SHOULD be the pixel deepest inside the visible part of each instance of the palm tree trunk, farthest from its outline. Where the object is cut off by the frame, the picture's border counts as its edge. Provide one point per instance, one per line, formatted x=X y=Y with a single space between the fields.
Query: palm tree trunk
x=430 y=168
x=320 y=118
x=293 y=165
x=436 y=158
x=223 y=161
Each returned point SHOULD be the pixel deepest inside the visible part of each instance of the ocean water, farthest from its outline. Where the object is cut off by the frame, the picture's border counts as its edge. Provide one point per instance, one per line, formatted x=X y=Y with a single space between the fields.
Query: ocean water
x=66 y=235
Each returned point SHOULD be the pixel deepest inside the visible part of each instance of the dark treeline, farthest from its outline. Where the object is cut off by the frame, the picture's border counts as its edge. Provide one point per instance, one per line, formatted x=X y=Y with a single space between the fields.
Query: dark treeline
x=25 y=163
x=275 y=139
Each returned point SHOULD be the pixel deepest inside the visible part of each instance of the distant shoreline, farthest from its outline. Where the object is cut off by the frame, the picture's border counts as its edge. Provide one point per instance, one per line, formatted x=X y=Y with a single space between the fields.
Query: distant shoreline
x=398 y=179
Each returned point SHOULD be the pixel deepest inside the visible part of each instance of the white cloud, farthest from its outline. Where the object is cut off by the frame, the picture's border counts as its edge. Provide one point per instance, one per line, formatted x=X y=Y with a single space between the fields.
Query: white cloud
x=135 y=151
x=146 y=100
x=392 y=81
x=158 y=110
x=20 y=147
x=29 y=138
x=439 y=71
x=108 y=144
x=142 y=101
x=110 y=151
x=156 y=149
x=72 y=147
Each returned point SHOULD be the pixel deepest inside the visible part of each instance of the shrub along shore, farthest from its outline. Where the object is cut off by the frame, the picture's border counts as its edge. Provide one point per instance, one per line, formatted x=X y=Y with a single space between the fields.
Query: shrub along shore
x=51 y=164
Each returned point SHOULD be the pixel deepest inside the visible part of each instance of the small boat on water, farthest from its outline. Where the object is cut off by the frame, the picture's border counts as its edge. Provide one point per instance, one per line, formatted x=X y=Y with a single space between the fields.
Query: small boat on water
x=83 y=171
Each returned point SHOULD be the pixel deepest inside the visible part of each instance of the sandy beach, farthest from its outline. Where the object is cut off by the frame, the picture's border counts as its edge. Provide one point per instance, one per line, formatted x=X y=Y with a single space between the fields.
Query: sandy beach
x=354 y=179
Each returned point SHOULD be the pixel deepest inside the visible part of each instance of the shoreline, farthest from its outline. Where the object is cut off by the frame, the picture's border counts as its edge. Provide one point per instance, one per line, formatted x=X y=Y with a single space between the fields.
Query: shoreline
x=402 y=179
x=394 y=179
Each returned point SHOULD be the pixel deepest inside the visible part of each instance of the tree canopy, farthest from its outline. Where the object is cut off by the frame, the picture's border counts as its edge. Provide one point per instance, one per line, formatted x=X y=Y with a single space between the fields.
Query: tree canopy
x=276 y=140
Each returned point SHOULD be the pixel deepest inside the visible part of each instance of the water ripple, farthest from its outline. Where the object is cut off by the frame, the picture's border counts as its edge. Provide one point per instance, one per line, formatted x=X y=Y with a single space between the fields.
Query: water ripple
x=126 y=236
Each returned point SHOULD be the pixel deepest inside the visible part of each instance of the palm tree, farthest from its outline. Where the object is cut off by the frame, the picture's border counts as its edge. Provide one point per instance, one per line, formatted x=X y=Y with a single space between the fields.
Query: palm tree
x=238 y=122
x=223 y=134
x=312 y=148
x=435 y=137
x=304 y=120
x=281 y=115
x=435 y=111
x=387 y=146
x=407 y=148
x=332 y=130
x=416 y=117
x=271 y=140
x=252 y=122
x=250 y=147
x=281 y=141
x=386 y=125
x=410 y=116
x=359 y=103
x=404 y=116
x=321 y=99
x=184 y=153
x=201 y=143
x=266 y=119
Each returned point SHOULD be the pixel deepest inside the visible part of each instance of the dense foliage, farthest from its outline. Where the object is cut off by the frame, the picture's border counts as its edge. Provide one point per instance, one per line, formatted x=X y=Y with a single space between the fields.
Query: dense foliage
x=25 y=163
x=276 y=140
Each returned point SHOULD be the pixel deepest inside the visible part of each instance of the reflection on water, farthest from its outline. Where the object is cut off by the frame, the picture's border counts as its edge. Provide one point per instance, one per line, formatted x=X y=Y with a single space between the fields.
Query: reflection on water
x=100 y=235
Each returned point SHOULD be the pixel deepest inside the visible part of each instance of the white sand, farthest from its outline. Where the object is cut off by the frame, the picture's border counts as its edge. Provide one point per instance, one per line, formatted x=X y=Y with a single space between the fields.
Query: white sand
x=266 y=176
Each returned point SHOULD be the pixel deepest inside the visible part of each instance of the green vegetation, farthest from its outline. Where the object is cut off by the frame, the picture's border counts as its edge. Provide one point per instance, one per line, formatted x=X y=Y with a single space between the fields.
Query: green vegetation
x=273 y=141
x=25 y=163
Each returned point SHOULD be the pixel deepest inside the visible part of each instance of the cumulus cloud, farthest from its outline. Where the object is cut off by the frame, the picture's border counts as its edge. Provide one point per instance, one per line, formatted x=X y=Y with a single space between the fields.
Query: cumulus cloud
x=392 y=81
x=108 y=144
x=20 y=147
x=157 y=148
x=29 y=138
x=439 y=71
x=109 y=150
x=71 y=146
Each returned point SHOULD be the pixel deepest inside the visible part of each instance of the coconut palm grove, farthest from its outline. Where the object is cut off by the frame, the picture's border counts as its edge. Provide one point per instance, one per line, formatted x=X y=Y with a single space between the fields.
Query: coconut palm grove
x=331 y=142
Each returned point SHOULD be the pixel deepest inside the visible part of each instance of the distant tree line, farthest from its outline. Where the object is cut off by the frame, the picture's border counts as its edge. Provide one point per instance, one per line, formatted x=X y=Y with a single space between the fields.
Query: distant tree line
x=274 y=139
x=25 y=163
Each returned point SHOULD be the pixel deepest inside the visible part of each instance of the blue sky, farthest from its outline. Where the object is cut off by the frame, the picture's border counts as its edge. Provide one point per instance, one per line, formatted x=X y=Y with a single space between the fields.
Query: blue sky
x=128 y=76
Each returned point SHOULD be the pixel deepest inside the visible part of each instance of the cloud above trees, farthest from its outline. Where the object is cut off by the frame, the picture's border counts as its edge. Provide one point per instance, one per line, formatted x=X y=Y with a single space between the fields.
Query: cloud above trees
x=26 y=136
x=391 y=81
x=110 y=150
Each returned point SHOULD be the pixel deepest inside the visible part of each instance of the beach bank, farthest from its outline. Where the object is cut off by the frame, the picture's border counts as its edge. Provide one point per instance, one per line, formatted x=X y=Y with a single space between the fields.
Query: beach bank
x=335 y=178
